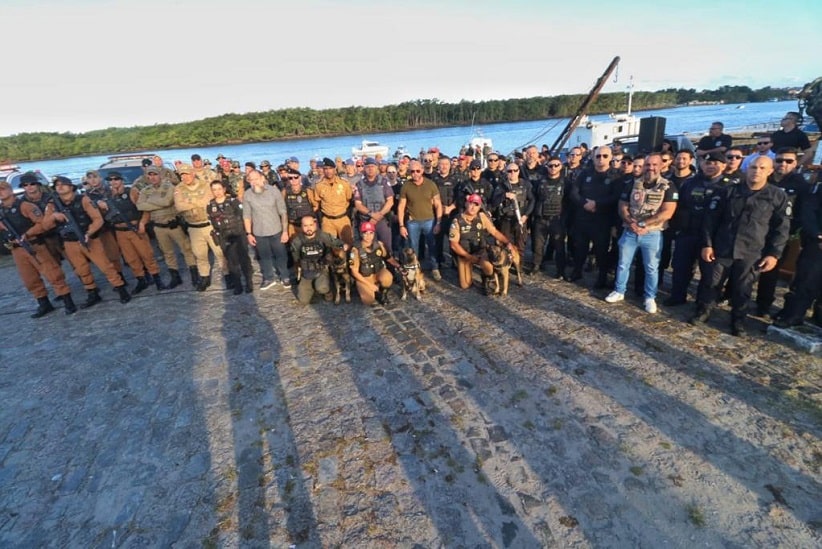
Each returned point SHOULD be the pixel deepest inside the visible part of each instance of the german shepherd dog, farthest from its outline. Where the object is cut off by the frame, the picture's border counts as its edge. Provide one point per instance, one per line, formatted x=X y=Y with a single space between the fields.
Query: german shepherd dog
x=503 y=259
x=411 y=273
x=340 y=275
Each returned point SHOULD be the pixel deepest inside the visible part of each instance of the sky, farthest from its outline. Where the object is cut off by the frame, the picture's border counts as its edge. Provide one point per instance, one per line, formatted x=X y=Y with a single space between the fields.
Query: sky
x=80 y=65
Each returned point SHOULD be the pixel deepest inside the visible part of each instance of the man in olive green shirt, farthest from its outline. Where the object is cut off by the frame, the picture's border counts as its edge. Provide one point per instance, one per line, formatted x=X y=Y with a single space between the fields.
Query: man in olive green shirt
x=420 y=198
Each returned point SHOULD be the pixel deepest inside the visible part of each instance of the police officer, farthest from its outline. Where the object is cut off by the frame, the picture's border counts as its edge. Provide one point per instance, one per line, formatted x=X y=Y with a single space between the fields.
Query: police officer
x=79 y=223
x=310 y=249
x=468 y=236
x=513 y=200
x=744 y=233
x=334 y=196
x=473 y=184
x=594 y=197
x=23 y=225
x=785 y=177
x=299 y=201
x=373 y=200
x=368 y=261
x=548 y=219
x=695 y=194
x=226 y=216
x=120 y=211
x=807 y=283
x=446 y=182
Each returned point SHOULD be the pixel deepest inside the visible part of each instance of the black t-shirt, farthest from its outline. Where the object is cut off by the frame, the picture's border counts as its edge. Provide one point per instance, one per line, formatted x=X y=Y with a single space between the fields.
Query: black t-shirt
x=708 y=142
x=795 y=138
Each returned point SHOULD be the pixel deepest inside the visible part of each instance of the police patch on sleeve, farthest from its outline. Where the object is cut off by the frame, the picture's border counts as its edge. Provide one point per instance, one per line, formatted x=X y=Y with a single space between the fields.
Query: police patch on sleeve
x=454 y=231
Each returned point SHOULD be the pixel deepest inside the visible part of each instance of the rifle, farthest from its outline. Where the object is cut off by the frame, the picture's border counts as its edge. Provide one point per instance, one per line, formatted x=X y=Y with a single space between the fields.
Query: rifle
x=116 y=215
x=70 y=222
x=16 y=237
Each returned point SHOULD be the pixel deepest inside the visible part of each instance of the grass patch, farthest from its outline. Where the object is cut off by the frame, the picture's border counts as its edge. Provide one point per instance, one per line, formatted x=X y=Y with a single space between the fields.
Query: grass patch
x=695 y=515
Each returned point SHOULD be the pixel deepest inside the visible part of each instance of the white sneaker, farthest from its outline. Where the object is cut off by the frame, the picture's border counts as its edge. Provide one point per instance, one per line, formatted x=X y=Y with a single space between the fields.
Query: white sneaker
x=614 y=297
x=266 y=284
x=650 y=306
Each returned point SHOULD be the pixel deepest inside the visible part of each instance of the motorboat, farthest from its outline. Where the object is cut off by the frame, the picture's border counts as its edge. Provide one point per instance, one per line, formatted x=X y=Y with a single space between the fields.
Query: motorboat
x=370 y=149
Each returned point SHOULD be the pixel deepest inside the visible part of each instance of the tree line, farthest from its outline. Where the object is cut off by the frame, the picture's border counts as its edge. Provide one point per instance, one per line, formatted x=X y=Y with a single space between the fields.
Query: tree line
x=293 y=123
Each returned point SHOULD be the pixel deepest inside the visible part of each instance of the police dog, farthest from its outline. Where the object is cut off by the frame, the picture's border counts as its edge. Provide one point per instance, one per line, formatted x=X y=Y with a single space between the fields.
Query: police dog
x=340 y=275
x=411 y=273
x=503 y=258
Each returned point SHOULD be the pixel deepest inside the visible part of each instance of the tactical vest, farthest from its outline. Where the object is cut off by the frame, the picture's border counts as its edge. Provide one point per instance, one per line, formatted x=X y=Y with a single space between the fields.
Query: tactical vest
x=76 y=210
x=373 y=196
x=507 y=208
x=549 y=194
x=298 y=205
x=224 y=222
x=471 y=234
x=123 y=204
x=371 y=262
x=15 y=217
x=446 y=187
x=643 y=203
x=312 y=258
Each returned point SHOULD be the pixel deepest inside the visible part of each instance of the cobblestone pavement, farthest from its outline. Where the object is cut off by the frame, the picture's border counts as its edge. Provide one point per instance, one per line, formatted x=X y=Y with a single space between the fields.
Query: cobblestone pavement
x=544 y=419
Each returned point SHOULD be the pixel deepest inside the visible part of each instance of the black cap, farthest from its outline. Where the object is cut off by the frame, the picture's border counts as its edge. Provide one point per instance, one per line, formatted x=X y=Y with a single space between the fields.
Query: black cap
x=196 y=156
x=716 y=156
x=291 y=171
x=328 y=163
x=112 y=175
x=63 y=180
x=28 y=177
x=476 y=164
x=146 y=162
x=251 y=165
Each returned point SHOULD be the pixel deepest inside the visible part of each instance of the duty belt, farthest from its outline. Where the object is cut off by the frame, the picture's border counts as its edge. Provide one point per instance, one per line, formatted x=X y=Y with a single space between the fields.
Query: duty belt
x=344 y=214
x=198 y=225
x=166 y=225
x=121 y=229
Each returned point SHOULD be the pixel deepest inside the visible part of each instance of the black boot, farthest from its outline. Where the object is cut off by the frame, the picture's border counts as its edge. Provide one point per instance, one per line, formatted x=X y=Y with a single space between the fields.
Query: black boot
x=229 y=282
x=195 y=276
x=44 y=307
x=159 y=282
x=92 y=298
x=701 y=315
x=203 y=283
x=148 y=277
x=142 y=284
x=175 y=278
x=382 y=296
x=602 y=280
x=68 y=303
x=123 y=291
x=236 y=284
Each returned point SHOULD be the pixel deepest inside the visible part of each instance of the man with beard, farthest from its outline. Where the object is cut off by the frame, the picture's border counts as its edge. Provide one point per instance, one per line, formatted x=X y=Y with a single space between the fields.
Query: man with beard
x=550 y=204
x=266 y=218
x=310 y=249
x=473 y=184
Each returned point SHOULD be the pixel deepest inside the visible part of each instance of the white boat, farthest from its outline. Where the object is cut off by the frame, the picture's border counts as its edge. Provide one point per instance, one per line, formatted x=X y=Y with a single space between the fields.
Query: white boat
x=370 y=149
x=598 y=133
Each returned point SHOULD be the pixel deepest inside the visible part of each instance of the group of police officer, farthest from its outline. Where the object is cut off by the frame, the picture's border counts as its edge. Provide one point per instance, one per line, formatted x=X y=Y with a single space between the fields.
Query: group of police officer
x=564 y=209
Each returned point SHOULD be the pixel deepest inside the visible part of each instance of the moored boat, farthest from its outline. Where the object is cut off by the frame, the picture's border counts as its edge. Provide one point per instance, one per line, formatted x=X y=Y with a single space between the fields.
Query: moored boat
x=370 y=149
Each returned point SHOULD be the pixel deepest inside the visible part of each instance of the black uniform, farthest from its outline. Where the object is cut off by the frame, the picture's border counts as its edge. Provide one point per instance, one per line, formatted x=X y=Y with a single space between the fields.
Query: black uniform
x=742 y=226
x=447 y=186
x=807 y=282
x=593 y=227
x=468 y=187
x=229 y=232
x=548 y=222
x=795 y=187
x=506 y=210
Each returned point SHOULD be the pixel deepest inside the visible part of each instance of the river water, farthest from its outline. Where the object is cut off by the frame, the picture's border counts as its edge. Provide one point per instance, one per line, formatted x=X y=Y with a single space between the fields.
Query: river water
x=506 y=138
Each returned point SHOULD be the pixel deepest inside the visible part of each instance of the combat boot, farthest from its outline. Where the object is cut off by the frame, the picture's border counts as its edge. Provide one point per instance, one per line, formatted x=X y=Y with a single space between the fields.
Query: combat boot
x=148 y=277
x=203 y=283
x=142 y=284
x=195 y=276
x=92 y=298
x=44 y=307
x=236 y=284
x=68 y=303
x=159 y=283
x=175 y=278
x=229 y=282
x=123 y=291
x=701 y=316
x=382 y=296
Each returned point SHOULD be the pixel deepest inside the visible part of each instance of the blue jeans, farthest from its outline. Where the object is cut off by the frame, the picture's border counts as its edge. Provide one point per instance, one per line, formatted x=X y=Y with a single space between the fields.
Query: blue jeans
x=273 y=254
x=426 y=228
x=651 y=246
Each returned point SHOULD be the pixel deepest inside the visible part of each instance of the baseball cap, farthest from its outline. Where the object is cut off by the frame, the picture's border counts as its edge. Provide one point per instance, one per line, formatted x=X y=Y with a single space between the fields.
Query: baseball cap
x=184 y=168
x=370 y=161
x=367 y=227
x=475 y=164
x=265 y=163
x=717 y=157
x=196 y=156
x=328 y=163
x=293 y=159
x=475 y=198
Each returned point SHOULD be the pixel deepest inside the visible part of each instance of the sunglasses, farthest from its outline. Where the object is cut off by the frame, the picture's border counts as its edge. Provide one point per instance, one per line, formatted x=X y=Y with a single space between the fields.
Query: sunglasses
x=30 y=184
x=493 y=159
x=784 y=160
x=733 y=157
x=512 y=171
x=415 y=171
x=114 y=178
x=554 y=165
x=605 y=156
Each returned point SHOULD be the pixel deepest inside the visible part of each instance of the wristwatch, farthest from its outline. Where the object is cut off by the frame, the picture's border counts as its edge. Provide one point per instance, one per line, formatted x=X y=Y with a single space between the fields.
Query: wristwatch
x=641 y=224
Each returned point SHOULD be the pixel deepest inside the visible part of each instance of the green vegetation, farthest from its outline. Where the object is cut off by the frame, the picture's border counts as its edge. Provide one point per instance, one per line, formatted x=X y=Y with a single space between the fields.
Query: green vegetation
x=304 y=122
